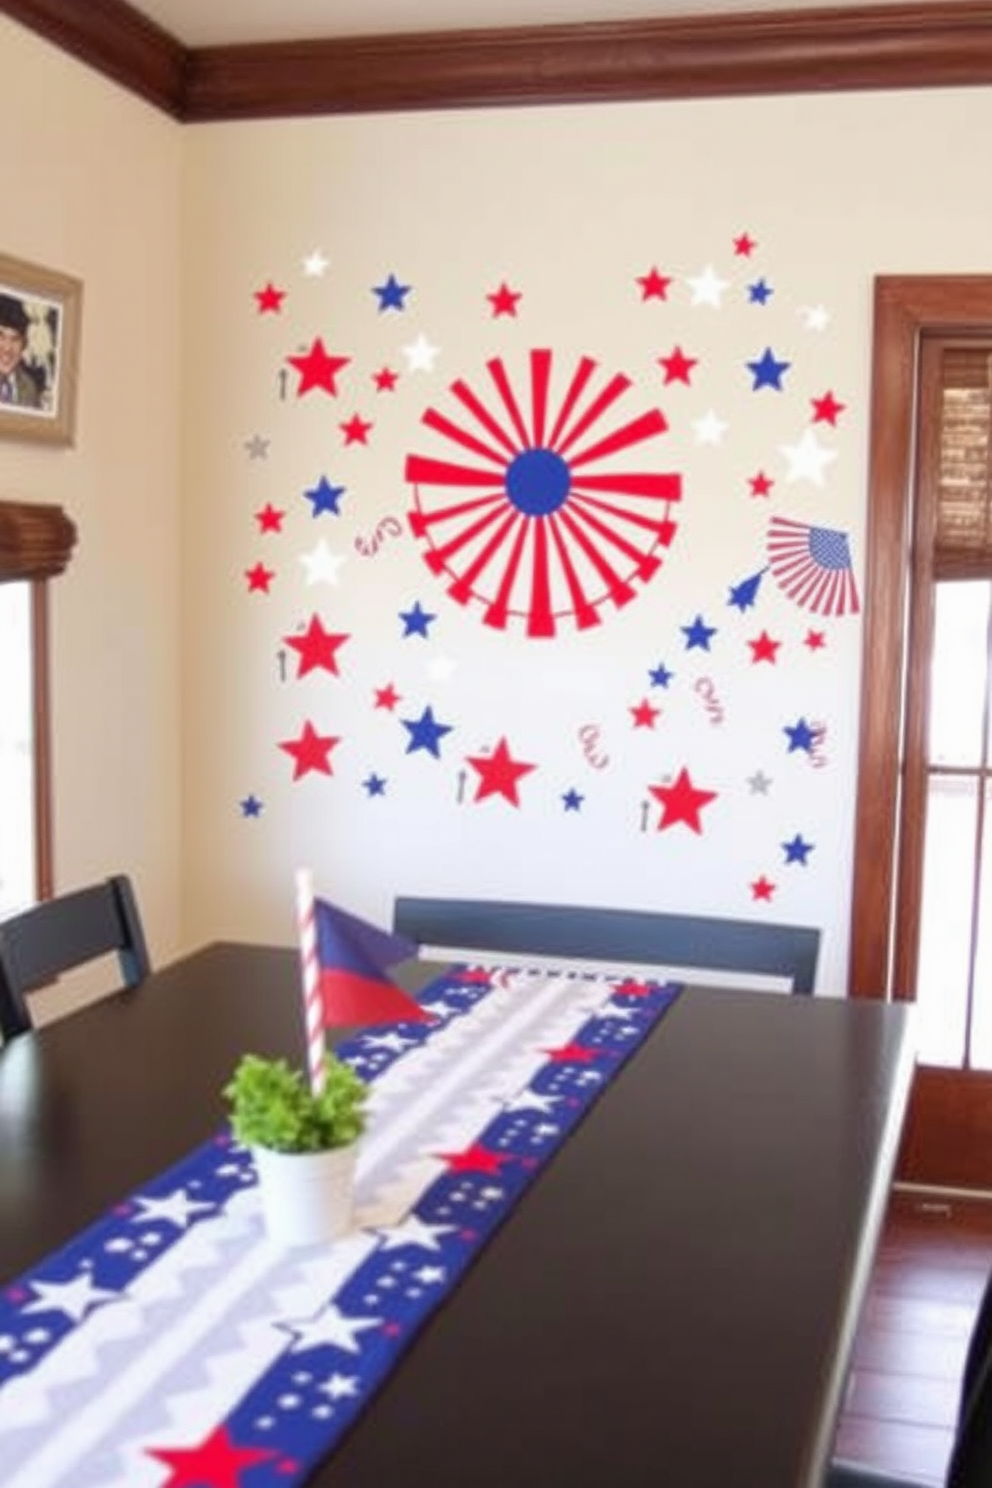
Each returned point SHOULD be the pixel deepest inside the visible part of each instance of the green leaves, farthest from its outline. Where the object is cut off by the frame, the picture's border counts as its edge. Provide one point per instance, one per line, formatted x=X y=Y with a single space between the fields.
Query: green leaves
x=273 y=1106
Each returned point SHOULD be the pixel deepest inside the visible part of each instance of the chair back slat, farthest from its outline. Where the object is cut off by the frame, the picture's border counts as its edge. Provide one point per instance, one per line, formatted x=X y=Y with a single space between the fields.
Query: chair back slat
x=572 y=932
x=60 y=934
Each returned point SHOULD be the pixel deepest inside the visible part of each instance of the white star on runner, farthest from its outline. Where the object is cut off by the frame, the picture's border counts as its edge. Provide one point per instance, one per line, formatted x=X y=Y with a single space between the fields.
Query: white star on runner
x=340 y=1386
x=394 y=1042
x=74 y=1298
x=710 y=429
x=808 y=459
x=413 y=1231
x=430 y=1274
x=421 y=354
x=330 y=1327
x=176 y=1207
x=708 y=288
x=321 y=564
x=532 y=1100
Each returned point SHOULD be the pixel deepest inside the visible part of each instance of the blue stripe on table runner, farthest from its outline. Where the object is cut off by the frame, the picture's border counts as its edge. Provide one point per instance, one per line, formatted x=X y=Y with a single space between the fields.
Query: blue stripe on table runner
x=334 y=1359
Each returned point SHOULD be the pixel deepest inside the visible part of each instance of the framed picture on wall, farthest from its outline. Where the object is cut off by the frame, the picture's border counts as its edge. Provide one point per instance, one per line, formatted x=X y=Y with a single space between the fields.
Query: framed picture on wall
x=40 y=314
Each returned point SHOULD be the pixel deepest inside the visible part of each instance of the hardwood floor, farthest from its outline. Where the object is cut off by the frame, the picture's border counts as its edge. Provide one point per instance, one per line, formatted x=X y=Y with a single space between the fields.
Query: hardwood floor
x=902 y=1394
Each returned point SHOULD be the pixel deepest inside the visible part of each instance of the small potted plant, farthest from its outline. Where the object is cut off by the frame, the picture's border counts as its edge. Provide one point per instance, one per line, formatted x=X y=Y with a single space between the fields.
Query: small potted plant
x=303 y=1143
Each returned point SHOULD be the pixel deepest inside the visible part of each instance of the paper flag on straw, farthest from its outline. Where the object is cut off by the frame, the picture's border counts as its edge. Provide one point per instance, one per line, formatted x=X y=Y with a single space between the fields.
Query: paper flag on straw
x=353 y=956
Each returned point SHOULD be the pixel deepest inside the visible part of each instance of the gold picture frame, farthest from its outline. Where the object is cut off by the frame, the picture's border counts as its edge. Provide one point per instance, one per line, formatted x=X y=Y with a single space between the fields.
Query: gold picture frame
x=40 y=318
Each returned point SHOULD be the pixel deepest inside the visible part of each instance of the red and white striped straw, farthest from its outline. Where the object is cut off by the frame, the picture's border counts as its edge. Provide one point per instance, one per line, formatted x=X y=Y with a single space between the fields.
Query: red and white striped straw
x=313 y=1007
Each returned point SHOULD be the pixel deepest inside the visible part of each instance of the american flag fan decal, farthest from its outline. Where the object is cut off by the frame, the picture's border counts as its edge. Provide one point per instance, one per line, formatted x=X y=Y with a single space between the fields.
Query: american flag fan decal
x=813 y=566
x=541 y=527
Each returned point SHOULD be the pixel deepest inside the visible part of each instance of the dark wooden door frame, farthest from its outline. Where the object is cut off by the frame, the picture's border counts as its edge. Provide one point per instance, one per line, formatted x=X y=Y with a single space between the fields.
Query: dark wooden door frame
x=906 y=307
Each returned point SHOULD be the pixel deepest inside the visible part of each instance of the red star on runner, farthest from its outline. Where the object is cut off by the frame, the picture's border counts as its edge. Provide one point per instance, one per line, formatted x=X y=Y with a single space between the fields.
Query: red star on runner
x=760 y=484
x=681 y=802
x=318 y=369
x=317 y=648
x=473 y=976
x=504 y=300
x=356 y=430
x=826 y=410
x=310 y=752
x=498 y=773
x=677 y=366
x=270 y=518
x=630 y=987
x=644 y=714
x=270 y=299
x=764 y=648
x=386 y=697
x=815 y=640
x=762 y=888
x=214 y=1462
x=474 y=1159
x=572 y=1054
x=744 y=245
x=385 y=380
x=259 y=578
x=654 y=286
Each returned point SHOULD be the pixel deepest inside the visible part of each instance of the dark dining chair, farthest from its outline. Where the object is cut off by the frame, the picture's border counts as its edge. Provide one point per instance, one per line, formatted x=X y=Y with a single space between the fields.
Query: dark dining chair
x=971 y=1456
x=57 y=935
x=675 y=942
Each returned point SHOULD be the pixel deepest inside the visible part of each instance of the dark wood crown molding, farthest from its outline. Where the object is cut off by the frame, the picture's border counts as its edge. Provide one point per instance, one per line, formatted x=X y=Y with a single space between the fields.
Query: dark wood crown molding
x=115 y=39
x=924 y=45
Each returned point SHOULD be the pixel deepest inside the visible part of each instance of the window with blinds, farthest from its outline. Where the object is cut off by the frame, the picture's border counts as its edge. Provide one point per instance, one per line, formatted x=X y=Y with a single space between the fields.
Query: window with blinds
x=963 y=537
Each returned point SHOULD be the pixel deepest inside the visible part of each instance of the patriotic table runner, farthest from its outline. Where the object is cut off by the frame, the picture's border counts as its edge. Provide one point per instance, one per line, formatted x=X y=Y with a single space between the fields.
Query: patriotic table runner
x=172 y=1345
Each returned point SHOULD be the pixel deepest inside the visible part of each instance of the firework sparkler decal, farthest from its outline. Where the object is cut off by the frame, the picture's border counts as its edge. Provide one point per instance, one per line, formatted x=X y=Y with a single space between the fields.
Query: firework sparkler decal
x=542 y=527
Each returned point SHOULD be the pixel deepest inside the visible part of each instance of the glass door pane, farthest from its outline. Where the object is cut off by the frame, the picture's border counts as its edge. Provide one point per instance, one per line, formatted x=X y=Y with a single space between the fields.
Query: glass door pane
x=17 y=784
x=945 y=919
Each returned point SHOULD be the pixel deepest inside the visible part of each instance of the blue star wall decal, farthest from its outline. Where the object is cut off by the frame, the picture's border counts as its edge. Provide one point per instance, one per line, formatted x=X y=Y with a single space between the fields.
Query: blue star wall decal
x=325 y=497
x=416 y=621
x=425 y=733
x=767 y=371
x=760 y=292
x=251 y=806
x=660 y=676
x=797 y=851
x=392 y=295
x=571 y=800
x=800 y=736
x=698 y=634
x=375 y=785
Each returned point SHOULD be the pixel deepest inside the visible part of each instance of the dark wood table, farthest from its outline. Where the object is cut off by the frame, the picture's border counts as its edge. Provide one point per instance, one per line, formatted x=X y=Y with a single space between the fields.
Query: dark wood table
x=672 y=1302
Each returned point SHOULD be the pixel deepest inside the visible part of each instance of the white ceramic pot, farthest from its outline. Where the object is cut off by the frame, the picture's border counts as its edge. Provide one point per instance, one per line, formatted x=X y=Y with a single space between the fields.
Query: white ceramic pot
x=307 y=1197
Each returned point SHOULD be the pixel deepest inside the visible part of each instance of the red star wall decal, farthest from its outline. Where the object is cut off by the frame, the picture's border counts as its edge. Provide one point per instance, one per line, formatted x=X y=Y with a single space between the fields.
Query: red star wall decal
x=214 y=1462
x=259 y=578
x=310 y=752
x=269 y=518
x=760 y=484
x=498 y=773
x=644 y=714
x=504 y=300
x=744 y=245
x=654 y=286
x=677 y=366
x=270 y=299
x=764 y=648
x=317 y=648
x=827 y=410
x=815 y=640
x=356 y=430
x=385 y=380
x=474 y=1159
x=762 y=888
x=681 y=802
x=386 y=697
x=318 y=369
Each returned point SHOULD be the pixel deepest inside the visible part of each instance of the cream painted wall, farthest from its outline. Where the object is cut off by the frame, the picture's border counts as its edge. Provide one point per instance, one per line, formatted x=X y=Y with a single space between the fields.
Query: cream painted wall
x=92 y=188
x=568 y=205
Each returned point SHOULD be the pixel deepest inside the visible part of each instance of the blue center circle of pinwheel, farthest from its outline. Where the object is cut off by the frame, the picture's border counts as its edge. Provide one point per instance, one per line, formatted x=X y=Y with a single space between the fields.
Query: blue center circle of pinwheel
x=537 y=482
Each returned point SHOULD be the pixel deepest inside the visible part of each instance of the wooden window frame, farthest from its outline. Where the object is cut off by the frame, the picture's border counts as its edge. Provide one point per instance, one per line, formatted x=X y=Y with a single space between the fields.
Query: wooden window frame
x=36 y=543
x=906 y=308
